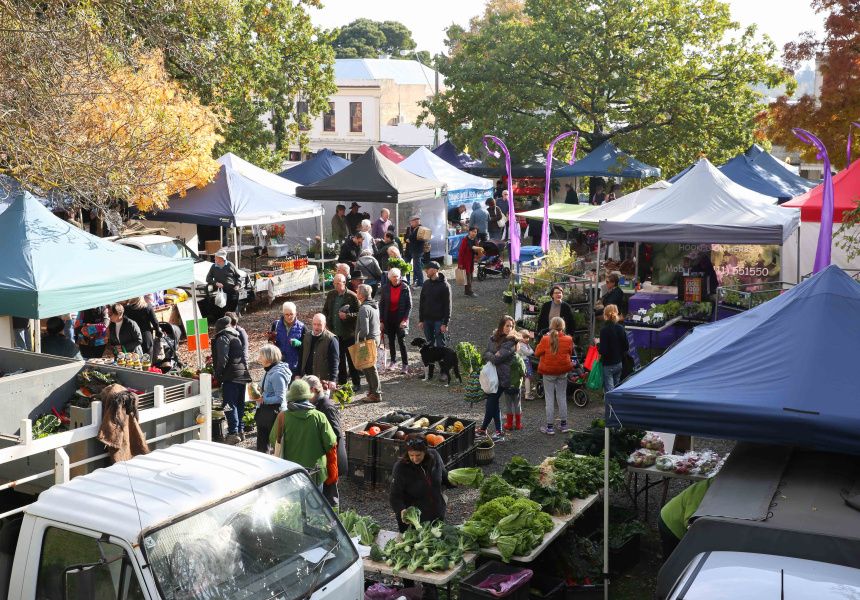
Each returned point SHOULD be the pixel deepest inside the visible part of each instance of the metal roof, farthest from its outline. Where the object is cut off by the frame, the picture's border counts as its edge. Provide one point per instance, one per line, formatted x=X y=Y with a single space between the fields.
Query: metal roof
x=128 y=497
x=404 y=72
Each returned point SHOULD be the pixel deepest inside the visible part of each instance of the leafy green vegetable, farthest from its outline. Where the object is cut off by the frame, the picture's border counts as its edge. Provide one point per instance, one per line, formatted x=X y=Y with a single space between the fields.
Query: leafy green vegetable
x=45 y=426
x=428 y=546
x=343 y=395
x=514 y=525
x=469 y=356
x=413 y=517
x=365 y=528
x=520 y=473
x=468 y=476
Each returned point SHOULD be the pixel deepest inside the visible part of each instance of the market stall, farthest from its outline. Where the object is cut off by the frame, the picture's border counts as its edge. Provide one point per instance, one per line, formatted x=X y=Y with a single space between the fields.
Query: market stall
x=463 y=188
x=608 y=161
x=321 y=165
x=773 y=398
x=242 y=194
x=846 y=193
x=376 y=183
x=753 y=170
x=53 y=268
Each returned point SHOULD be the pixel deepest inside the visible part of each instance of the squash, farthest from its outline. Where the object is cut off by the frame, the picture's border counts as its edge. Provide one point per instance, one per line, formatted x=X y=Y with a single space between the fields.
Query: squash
x=373 y=431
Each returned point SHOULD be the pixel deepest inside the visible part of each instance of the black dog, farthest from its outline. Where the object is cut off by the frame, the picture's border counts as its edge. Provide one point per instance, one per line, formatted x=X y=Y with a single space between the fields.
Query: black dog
x=430 y=355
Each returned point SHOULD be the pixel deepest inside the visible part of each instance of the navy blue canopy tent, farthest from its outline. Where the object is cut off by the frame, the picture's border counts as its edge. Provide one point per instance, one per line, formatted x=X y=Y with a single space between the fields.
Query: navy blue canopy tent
x=453 y=156
x=533 y=167
x=782 y=373
x=323 y=164
x=608 y=161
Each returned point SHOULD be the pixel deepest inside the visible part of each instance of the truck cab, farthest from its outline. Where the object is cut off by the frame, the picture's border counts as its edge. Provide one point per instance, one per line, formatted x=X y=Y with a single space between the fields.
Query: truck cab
x=197 y=520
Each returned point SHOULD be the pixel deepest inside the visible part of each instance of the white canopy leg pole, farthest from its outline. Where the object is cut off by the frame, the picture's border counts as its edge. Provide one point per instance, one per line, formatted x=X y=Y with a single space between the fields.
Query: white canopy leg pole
x=797 y=232
x=597 y=288
x=322 y=258
x=236 y=246
x=196 y=323
x=636 y=264
x=606 y=513
x=37 y=336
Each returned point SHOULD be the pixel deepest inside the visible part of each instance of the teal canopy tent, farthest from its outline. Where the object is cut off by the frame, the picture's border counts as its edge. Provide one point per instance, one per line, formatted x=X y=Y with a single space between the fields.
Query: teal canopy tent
x=51 y=267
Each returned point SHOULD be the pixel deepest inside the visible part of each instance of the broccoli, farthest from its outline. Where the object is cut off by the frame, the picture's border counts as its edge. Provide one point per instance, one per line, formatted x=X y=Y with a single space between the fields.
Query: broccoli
x=413 y=517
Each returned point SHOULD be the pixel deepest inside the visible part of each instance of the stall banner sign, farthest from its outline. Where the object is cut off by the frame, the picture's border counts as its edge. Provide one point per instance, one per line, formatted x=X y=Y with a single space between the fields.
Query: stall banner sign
x=467 y=197
x=191 y=331
x=734 y=264
x=692 y=289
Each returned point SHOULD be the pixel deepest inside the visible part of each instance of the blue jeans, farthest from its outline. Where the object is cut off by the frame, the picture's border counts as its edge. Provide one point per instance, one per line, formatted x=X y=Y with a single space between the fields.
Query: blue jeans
x=417 y=271
x=611 y=377
x=492 y=412
x=433 y=333
x=234 y=397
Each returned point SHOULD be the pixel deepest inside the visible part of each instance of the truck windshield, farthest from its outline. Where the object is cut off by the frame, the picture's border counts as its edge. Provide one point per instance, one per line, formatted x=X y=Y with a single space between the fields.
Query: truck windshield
x=278 y=541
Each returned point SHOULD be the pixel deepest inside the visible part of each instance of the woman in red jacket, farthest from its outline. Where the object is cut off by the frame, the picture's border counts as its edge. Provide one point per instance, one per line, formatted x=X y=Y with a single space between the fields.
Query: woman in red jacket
x=466 y=258
x=554 y=351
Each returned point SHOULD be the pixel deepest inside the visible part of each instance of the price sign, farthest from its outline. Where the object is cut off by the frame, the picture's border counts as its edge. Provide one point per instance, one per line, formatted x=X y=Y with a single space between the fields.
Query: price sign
x=692 y=289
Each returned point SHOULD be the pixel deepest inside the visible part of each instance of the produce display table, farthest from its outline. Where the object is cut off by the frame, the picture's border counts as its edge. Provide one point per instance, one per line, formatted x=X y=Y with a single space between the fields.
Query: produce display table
x=661 y=477
x=578 y=506
x=439 y=578
x=667 y=336
x=286 y=282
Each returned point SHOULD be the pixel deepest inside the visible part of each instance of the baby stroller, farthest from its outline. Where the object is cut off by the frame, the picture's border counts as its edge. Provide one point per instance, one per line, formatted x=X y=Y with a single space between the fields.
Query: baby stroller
x=491 y=263
x=165 y=349
x=576 y=380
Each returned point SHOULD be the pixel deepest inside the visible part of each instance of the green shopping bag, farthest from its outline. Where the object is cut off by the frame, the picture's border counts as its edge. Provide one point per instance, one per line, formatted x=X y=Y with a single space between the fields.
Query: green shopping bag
x=595 y=378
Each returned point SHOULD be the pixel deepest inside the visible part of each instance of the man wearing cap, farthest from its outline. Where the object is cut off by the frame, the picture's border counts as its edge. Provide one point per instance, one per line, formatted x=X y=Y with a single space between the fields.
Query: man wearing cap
x=224 y=276
x=354 y=218
x=350 y=251
x=434 y=308
x=231 y=370
x=414 y=250
x=339 y=227
x=341 y=311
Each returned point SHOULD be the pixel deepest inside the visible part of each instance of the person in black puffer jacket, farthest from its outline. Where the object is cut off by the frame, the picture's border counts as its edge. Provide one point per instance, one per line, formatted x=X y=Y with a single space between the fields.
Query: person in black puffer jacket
x=613 y=346
x=417 y=481
x=434 y=307
x=231 y=371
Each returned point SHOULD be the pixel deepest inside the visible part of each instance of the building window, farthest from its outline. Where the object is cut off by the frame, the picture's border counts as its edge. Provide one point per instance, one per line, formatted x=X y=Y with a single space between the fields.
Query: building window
x=328 y=118
x=302 y=117
x=355 y=117
x=295 y=156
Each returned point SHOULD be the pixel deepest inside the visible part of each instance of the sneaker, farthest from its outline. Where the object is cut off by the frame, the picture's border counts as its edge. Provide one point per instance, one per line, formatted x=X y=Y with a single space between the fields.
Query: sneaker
x=241 y=436
x=232 y=439
x=547 y=429
x=564 y=428
x=497 y=437
x=404 y=369
x=371 y=397
x=480 y=432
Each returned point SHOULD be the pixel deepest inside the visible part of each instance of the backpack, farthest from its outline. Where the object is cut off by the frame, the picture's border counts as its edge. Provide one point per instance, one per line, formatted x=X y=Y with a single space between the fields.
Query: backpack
x=518 y=371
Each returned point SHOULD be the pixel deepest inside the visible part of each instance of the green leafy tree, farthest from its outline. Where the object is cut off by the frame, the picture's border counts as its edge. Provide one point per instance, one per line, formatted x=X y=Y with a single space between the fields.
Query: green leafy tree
x=365 y=38
x=666 y=80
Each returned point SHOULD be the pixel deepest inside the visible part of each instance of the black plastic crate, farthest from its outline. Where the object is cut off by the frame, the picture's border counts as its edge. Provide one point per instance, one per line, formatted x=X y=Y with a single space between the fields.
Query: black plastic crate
x=469 y=589
x=546 y=587
x=362 y=447
x=465 y=438
x=389 y=450
x=382 y=476
x=447 y=449
x=361 y=472
x=467 y=459
x=584 y=592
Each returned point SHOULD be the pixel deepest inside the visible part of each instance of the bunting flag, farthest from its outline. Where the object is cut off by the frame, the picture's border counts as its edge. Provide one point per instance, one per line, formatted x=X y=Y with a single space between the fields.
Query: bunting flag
x=848 y=149
x=513 y=225
x=825 y=234
x=544 y=235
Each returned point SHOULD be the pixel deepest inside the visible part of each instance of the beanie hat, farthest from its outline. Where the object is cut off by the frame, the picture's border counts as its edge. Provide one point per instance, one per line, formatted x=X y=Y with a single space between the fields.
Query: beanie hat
x=223 y=323
x=299 y=390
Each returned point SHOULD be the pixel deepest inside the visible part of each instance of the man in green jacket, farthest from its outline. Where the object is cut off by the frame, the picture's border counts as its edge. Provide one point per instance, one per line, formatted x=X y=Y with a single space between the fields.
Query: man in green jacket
x=305 y=433
x=675 y=516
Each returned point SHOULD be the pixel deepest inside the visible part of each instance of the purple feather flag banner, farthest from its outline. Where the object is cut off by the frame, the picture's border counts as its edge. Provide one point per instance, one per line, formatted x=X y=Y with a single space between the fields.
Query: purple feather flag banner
x=513 y=226
x=848 y=149
x=544 y=235
x=825 y=234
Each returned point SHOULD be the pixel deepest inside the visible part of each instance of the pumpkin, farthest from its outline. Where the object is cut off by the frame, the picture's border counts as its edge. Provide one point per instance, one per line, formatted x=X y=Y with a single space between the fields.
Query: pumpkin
x=373 y=431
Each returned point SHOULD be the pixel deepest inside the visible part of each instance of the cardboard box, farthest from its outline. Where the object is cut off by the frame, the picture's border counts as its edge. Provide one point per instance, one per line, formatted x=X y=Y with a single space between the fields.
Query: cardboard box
x=212 y=246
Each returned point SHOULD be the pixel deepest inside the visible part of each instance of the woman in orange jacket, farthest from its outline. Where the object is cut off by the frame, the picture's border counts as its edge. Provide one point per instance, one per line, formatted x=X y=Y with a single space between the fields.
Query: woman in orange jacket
x=555 y=351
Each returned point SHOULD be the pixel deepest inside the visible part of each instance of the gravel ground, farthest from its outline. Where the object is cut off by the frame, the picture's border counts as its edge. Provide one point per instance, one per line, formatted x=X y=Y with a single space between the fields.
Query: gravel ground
x=473 y=320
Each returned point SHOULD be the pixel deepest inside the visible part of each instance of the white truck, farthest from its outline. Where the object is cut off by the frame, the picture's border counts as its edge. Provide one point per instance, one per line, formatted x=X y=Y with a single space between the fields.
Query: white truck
x=192 y=520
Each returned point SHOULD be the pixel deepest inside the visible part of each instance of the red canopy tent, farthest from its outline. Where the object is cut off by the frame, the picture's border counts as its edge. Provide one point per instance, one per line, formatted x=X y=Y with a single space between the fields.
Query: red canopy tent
x=390 y=153
x=846 y=194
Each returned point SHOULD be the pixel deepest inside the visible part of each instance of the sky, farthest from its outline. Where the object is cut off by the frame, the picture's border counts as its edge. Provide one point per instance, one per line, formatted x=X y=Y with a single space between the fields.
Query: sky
x=782 y=20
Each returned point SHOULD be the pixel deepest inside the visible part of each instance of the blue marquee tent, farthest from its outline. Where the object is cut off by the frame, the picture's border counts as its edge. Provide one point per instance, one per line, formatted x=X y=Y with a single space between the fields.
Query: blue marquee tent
x=323 y=164
x=608 y=161
x=781 y=373
x=51 y=267
x=759 y=171
x=451 y=155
